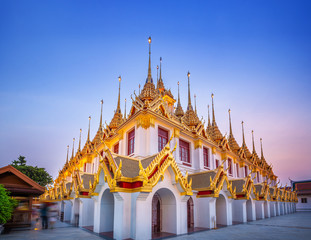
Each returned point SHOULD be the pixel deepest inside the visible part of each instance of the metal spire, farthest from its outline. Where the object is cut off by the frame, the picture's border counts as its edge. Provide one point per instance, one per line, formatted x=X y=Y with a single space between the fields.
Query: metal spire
x=209 y=120
x=261 y=148
x=125 y=108
x=157 y=75
x=101 y=114
x=213 y=112
x=73 y=147
x=67 y=153
x=149 y=78
x=243 y=144
x=88 y=133
x=230 y=134
x=178 y=94
x=118 y=107
x=139 y=88
x=189 y=96
x=160 y=78
x=79 y=149
x=253 y=141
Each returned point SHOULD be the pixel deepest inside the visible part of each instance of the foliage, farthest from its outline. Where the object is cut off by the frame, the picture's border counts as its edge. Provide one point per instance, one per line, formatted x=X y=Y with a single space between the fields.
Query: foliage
x=7 y=205
x=39 y=175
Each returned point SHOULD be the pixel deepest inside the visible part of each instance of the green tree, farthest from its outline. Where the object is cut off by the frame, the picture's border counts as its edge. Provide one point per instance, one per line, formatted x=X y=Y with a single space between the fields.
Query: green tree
x=39 y=175
x=7 y=205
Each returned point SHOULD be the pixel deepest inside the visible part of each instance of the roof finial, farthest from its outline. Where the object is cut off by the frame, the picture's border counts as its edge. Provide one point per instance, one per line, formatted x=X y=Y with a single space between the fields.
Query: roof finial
x=101 y=114
x=125 y=108
x=253 y=141
x=88 y=133
x=195 y=103
x=149 y=78
x=189 y=96
x=160 y=77
x=209 y=120
x=139 y=88
x=79 y=149
x=261 y=148
x=118 y=107
x=178 y=103
x=213 y=111
x=179 y=112
x=73 y=147
x=243 y=144
x=230 y=134
x=157 y=75
x=67 y=153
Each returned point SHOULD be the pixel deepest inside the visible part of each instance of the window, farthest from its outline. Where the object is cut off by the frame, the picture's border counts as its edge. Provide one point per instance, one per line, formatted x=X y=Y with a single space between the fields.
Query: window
x=131 y=142
x=237 y=170
x=304 y=200
x=217 y=163
x=245 y=170
x=257 y=177
x=205 y=157
x=162 y=138
x=116 y=148
x=184 y=151
x=230 y=166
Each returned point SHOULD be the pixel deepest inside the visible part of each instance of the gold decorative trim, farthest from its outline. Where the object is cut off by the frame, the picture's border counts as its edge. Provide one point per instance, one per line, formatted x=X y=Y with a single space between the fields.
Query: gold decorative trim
x=145 y=121
x=198 y=144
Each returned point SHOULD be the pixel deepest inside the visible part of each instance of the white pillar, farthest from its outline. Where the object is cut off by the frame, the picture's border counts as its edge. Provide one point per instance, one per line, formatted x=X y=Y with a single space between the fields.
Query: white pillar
x=277 y=208
x=67 y=210
x=272 y=209
x=96 y=214
x=239 y=211
x=260 y=214
x=86 y=216
x=206 y=212
x=182 y=221
x=143 y=217
x=267 y=209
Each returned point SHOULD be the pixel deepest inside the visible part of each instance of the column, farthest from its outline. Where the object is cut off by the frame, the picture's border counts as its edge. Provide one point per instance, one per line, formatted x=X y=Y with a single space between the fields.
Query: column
x=206 y=213
x=143 y=217
x=260 y=214
x=239 y=211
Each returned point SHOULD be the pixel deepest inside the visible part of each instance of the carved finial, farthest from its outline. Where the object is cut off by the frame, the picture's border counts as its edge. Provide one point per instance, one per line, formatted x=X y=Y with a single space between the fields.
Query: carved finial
x=253 y=141
x=149 y=78
x=73 y=147
x=101 y=114
x=230 y=134
x=195 y=103
x=79 y=149
x=243 y=144
x=209 y=120
x=88 y=133
x=125 y=108
x=67 y=154
x=261 y=149
x=118 y=107
x=189 y=96
x=213 y=111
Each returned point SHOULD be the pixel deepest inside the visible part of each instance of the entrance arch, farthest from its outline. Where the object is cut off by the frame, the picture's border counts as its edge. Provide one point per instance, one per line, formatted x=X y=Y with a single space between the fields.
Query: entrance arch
x=106 y=214
x=190 y=215
x=163 y=215
x=221 y=211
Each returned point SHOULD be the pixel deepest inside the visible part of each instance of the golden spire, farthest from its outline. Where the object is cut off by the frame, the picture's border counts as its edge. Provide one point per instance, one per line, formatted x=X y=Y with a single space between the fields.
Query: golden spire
x=149 y=78
x=88 y=133
x=261 y=148
x=189 y=96
x=73 y=147
x=243 y=144
x=101 y=114
x=125 y=108
x=213 y=111
x=209 y=120
x=253 y=141
x=118 y=107
x=179 y=111
x=195 y=103
x=79 y=149
x=230 y=134
x=67 y=154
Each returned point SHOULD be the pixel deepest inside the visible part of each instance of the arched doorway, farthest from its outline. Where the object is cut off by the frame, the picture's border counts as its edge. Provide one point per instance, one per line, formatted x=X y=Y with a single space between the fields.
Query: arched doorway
x=190 y=215
x=221 y=211
x=164 y=220
x=249 y=210
x=106 y=214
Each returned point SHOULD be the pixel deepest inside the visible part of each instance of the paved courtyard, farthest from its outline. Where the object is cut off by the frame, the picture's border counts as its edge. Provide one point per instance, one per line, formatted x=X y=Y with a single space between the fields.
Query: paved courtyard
x=292 y=226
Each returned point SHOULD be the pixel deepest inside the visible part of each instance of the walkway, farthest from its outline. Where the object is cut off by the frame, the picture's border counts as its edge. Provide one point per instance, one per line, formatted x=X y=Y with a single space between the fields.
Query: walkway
x=292 y=226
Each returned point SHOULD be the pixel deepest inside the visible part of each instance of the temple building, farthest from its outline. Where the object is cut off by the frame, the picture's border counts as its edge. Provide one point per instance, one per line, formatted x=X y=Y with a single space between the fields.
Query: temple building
x=158 y=170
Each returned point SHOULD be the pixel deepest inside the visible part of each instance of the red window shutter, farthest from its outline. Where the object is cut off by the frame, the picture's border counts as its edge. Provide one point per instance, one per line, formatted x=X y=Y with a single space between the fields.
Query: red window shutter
x=116 y=148
x=205 y=157
x=131 y=142
x=162 y=138
x=237 y=170
x=184 y=151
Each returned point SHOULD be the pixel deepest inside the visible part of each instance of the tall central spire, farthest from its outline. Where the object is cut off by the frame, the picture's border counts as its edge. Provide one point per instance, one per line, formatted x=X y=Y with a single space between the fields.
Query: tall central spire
x=149 y=78
x=230 y=134
x=189 y=95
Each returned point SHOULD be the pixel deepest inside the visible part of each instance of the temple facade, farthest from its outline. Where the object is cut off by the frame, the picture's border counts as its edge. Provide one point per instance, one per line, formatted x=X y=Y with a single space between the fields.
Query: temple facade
x=159 y=170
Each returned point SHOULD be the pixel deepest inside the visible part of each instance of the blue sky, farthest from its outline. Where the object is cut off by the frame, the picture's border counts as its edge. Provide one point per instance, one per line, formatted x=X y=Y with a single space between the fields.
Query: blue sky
x=58 y=59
